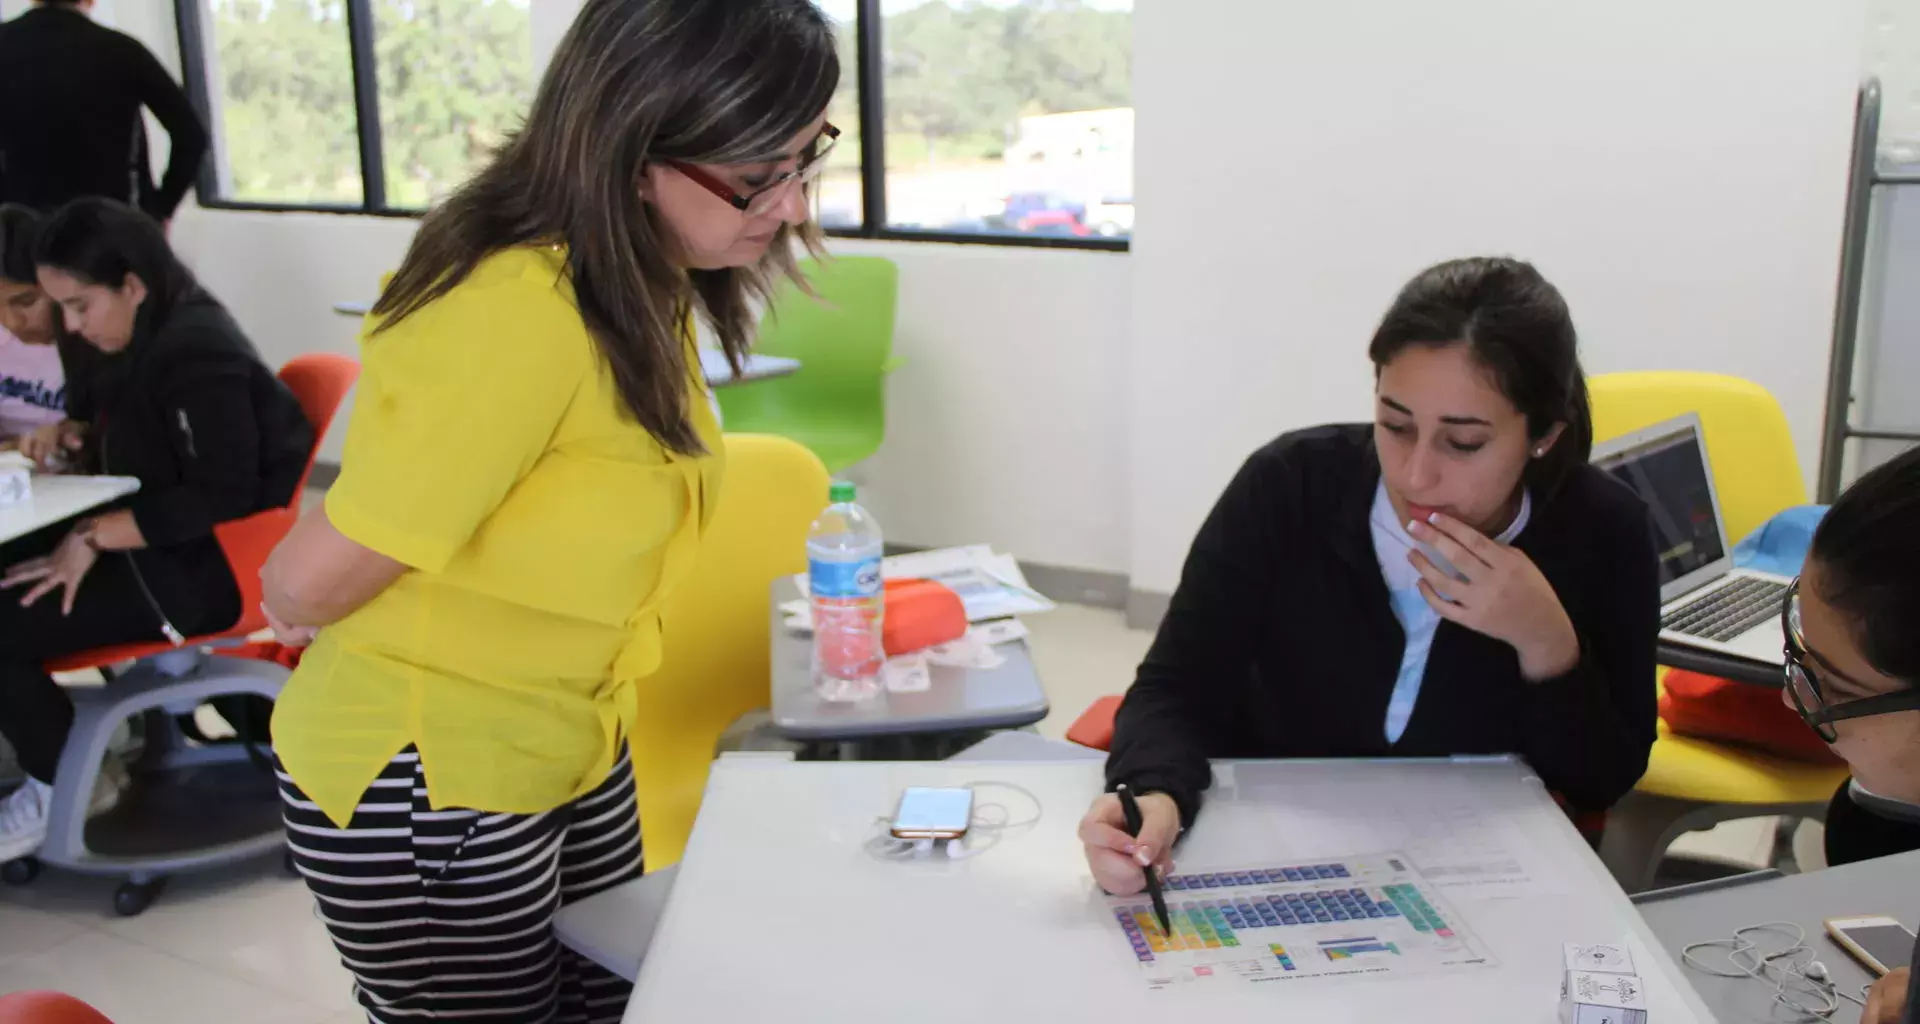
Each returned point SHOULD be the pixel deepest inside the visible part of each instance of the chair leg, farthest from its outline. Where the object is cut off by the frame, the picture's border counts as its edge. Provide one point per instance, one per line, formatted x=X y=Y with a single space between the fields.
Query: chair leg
x=1642 y=826
x=1639 y=830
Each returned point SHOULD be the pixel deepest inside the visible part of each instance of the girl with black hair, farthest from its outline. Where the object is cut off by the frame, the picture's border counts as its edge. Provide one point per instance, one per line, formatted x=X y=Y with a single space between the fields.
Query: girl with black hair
x=177 y=399
x=1451 y=579
x=1853 y=673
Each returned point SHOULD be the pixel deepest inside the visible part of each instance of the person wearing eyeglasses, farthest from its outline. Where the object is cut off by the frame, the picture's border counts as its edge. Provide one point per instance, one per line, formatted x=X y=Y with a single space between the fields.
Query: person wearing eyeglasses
x=1853 y=669
x=1452 y=578
x=530 y=469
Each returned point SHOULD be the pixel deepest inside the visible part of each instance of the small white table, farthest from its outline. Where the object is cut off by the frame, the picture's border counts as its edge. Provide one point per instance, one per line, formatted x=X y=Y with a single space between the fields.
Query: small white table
x=960 y=700
x=713 y=364
x=777 y=905
x=58 y=498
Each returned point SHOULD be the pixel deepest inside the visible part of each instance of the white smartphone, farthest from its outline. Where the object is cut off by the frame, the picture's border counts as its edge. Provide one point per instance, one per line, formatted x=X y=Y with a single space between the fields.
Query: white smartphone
x=1881 y=944
x=933 y=813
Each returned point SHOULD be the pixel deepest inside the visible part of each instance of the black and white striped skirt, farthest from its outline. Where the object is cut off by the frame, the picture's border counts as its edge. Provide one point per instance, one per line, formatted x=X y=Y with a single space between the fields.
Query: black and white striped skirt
x=448 y=914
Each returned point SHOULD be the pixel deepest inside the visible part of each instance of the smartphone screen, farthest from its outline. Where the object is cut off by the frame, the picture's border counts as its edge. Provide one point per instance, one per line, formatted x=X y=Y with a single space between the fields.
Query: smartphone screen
x=1892 y=945
x=933 y=812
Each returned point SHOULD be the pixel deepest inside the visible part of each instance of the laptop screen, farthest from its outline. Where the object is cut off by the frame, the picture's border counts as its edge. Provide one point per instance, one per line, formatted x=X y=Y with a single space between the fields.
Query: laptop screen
x=1670 y=475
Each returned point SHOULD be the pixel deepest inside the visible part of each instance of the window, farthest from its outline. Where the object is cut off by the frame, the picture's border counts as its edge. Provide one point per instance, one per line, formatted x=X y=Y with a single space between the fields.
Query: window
x=1010 y=118
x=281 y=83
x=1006 y=121
x=282 y=114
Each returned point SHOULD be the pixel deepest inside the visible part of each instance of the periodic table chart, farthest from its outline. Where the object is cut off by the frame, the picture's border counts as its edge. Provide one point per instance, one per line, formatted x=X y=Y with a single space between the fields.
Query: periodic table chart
x=1353 y=917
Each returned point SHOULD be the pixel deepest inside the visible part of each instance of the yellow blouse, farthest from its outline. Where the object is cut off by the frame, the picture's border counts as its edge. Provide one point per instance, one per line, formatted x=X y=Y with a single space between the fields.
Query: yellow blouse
x=490 y=451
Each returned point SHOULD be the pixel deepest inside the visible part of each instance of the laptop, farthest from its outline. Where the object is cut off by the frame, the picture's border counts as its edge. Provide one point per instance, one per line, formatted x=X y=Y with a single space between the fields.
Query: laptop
x=1704 y=601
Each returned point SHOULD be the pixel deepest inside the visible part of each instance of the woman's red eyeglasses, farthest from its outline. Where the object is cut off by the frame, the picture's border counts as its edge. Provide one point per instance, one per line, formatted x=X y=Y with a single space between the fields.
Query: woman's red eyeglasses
x=763 y=200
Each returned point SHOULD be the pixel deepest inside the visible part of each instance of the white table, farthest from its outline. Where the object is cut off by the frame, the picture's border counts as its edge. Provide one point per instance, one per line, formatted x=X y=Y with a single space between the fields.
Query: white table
x=58 y=498
x=713 y=363
x=777 y=909
x=713 y=366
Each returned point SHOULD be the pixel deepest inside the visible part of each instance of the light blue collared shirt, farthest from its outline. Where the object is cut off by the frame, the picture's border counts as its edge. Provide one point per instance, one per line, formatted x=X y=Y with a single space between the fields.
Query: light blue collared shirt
x=1418 y=620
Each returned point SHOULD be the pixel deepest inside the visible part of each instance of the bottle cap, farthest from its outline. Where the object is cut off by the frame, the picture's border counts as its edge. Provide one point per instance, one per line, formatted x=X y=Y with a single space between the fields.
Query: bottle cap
x=842 y=492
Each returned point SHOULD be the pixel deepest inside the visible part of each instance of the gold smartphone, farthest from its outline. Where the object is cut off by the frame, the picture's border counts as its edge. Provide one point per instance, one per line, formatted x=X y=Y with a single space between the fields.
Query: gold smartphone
x=1881 y=944
x=926 y=813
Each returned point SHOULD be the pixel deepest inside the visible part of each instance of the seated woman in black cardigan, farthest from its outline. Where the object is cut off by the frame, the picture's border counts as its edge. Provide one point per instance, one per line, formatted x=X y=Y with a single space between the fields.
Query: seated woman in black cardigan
x=172 y=394
x=1453 y=579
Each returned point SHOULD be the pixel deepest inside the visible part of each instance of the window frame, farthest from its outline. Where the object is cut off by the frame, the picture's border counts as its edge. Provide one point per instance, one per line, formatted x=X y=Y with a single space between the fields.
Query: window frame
x=870 y=82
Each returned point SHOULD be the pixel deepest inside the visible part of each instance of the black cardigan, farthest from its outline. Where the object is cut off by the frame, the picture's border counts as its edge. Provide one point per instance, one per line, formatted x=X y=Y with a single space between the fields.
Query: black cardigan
x=191 y=411
x=1281 y=641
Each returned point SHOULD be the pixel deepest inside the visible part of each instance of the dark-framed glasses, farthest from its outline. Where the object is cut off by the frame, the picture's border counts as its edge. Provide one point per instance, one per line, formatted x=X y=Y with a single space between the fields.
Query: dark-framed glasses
x=765 y=199
x=1811 y=697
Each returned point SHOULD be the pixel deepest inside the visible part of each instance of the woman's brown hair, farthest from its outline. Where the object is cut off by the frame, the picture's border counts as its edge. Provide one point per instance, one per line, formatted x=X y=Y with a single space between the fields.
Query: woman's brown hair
x=636 y=82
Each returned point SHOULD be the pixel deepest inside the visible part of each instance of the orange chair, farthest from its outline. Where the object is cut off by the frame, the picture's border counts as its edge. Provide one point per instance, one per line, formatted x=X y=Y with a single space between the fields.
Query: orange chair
x=212 y=804
x=47 y=1008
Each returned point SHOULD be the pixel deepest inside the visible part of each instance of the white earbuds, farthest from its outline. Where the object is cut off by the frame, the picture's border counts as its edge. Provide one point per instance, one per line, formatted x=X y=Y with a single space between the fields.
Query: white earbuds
x=1815 y=971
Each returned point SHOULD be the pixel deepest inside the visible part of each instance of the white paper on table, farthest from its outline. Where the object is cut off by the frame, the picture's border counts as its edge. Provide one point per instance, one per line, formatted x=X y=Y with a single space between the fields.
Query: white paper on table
x=1457 y=834
x=1000 y=631
x=907 y=674
x=970 y=651
x=991 y=586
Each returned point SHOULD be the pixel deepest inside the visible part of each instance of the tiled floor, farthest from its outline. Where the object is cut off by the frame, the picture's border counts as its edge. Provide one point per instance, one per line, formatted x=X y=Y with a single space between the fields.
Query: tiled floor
x=245 y=940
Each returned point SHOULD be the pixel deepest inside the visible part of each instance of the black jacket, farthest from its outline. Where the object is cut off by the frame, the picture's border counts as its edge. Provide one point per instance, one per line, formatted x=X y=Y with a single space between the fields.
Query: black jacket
x=71 y=92
x=1281 y=640
x=210 y=432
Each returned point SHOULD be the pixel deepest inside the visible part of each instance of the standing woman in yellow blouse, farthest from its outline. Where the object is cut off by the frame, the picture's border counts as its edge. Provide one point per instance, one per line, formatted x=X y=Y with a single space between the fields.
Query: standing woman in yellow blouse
x=530 y=467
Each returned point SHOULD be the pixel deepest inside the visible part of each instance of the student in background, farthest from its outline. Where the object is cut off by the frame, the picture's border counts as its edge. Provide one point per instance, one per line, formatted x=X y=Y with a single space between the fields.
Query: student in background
x=33 y=391
x=71 y=96
x=180 y=401
x=530 y=468
x=1853 y=660
x=1452 y=579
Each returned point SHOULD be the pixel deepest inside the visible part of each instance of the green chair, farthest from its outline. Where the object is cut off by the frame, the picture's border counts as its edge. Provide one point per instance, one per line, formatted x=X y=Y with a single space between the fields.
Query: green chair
x=836 y=405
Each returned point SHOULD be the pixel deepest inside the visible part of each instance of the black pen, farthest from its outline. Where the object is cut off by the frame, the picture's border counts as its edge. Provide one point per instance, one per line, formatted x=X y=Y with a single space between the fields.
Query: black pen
x=1131 y=808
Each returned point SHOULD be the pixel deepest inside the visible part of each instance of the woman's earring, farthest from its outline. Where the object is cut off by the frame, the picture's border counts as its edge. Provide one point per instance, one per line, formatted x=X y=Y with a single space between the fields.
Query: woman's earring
x=1540 y=452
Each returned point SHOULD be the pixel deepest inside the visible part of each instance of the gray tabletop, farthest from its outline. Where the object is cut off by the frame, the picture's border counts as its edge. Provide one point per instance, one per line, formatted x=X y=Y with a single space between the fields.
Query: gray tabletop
x=1884 y=886
x=960 y=699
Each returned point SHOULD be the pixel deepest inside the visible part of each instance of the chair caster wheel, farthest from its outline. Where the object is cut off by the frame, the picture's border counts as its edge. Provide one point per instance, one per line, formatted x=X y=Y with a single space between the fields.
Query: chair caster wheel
x=133 y=898
x=20 y=872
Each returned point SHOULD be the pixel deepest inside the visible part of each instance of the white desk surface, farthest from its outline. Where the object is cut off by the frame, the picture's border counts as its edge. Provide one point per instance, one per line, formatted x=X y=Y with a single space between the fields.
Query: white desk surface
x=713 y=366
x=778 y=909
x=58 y=498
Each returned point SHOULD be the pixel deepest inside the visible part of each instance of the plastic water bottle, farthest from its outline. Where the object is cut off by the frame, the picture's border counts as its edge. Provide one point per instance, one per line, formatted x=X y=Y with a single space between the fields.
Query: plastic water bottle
x=843 y=581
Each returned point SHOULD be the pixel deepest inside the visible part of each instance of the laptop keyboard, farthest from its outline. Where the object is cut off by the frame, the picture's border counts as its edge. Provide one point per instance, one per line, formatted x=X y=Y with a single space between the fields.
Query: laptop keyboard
x=1729 y=611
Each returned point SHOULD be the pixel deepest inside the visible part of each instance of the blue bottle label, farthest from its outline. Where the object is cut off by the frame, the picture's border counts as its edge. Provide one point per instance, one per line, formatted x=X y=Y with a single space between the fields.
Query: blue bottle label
x=844 y=579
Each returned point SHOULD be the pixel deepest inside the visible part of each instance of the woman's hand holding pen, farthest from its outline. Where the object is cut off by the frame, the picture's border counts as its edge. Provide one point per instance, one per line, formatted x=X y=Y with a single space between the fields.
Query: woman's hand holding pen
x=1116 y=857
x=1504 y=596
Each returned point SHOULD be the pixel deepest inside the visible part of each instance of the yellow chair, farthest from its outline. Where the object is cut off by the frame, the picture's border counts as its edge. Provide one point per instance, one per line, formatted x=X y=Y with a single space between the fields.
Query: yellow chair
x=1695 y=784
x=716 y=632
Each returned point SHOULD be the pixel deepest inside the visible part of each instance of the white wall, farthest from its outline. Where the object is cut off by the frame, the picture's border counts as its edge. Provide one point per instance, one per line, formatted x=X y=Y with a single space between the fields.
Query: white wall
x=1677 y=169
x=1893 y=53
